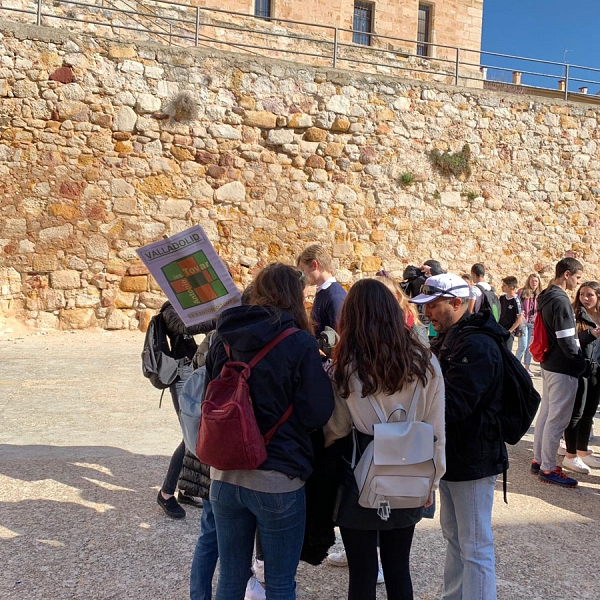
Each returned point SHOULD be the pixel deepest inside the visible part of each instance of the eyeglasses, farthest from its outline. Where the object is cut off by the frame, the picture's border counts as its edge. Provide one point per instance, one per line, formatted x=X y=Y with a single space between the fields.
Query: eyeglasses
x=431 y=290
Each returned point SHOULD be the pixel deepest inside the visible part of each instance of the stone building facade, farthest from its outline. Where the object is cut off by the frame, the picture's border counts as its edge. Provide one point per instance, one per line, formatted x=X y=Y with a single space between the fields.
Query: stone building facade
x=276 y=155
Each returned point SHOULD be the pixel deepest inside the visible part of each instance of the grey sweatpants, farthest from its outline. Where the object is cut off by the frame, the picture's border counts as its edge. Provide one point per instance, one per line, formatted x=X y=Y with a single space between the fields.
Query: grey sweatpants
x=558 y=399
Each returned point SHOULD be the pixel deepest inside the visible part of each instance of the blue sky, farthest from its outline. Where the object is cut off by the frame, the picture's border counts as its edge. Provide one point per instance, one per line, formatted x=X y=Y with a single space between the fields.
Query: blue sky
x=543 y=29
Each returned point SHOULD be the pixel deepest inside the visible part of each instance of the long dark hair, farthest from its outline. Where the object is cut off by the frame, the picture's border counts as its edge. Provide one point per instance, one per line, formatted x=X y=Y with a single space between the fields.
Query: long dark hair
x=577 y=306
x=375 y=344
x=281 y=287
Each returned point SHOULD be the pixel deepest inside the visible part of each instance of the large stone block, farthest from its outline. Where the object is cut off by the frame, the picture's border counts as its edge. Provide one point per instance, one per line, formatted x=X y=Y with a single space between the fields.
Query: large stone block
x=260 y=118
x=231 y=192
x=77 y=318
x=116 y=319
x=72 y=110
x=65 y=280
x=125 y=119
x=61 y=233
x=136 y=284
x=97 y=247
x=44 y=262
x=176 y=209
x=279 y=137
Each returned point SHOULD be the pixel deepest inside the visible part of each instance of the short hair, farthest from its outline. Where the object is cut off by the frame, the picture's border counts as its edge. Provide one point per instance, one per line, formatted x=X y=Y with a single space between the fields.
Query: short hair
x=467 y=278
x=567 y=264
x=478 y=269
x=510 y=281
x=318 y=253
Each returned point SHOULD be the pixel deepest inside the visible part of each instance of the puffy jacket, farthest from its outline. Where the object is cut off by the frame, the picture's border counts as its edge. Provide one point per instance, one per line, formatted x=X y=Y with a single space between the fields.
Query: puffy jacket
x=194 y=478
x=180 y=336
x=589 y=344
x=472 y=366
x=291 y=373
x=564 y=353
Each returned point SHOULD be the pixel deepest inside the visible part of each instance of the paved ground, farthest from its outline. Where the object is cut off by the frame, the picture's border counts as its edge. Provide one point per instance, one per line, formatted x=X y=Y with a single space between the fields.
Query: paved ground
x=84 y=447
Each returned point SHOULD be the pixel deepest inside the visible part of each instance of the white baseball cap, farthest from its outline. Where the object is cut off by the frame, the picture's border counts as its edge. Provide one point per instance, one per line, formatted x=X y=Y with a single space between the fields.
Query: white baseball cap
x=446 y=285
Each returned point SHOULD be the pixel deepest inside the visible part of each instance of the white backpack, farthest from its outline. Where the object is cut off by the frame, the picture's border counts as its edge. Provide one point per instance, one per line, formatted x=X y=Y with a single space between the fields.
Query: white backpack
x=397 y=468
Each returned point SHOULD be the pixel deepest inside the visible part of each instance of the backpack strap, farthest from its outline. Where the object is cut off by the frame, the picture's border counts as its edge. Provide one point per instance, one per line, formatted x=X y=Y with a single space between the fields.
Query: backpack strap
x=270 y=345
x=286 y=415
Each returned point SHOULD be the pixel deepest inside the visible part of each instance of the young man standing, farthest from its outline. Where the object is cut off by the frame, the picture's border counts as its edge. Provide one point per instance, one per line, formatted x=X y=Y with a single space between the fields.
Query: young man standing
x=511 y=311
x=316 y=265
x=562 y=366
x=471 y=363
x=482 y=293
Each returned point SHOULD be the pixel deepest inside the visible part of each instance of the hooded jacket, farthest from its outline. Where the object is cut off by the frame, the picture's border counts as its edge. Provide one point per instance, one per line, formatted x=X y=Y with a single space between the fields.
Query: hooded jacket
x=564 y=353
x=472 y=366
x=292 y=372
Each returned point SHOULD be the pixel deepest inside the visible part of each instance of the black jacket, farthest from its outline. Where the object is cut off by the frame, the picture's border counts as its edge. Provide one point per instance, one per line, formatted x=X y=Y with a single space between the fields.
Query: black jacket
x=471 y=362
x=587 y=341
x=564 y=354
x=180 y=336
x=291 y=373
x=194 y=478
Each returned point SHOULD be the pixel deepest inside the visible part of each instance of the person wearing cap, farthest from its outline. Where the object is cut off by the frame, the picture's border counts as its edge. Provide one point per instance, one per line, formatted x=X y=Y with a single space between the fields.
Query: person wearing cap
x=468 y=352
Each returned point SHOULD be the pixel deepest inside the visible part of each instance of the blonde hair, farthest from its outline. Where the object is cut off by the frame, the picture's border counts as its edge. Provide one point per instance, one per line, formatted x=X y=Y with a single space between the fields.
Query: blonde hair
x=406 y=306
x=527 y=291
x=318 y=253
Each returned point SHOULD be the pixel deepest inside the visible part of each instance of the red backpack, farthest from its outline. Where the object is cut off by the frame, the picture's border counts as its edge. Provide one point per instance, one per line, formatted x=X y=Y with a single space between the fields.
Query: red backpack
x=539 y=343
x=229 y=437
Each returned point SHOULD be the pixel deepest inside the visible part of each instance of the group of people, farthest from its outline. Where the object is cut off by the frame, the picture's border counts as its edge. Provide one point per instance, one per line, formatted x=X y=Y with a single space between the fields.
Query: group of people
x=429 y=345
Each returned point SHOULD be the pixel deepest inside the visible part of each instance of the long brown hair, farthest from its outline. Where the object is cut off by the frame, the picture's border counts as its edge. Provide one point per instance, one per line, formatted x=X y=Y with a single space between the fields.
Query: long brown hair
x=281 y=287
x=375 y=344
x=577 y=306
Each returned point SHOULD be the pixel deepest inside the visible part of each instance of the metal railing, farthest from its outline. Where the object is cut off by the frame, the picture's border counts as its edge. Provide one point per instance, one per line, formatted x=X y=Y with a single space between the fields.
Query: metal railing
x=185 y=25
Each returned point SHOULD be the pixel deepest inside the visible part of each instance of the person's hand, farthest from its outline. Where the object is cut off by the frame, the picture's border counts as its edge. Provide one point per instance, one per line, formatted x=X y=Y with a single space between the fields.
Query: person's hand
x=429 y=502
x=426 y=269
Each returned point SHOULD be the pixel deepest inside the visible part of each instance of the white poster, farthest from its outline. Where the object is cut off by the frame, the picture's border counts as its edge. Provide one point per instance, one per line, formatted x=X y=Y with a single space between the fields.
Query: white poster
x=193 y=277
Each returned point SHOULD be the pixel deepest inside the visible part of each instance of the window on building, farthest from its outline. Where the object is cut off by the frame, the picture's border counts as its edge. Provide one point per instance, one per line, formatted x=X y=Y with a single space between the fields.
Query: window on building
x=424 y=31
x=262 y=8
x=363 y=23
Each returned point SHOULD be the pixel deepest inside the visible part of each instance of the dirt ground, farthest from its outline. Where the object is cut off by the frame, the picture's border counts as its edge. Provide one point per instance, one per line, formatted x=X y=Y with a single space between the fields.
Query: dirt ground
x=84 y=448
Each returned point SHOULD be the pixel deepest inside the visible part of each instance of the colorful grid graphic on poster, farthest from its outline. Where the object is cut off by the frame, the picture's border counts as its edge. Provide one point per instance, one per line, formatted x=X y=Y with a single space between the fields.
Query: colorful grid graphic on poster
x=194 y=280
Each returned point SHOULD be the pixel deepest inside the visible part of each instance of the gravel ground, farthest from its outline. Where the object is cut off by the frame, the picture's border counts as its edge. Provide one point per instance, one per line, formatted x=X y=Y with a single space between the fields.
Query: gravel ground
x=84 y=448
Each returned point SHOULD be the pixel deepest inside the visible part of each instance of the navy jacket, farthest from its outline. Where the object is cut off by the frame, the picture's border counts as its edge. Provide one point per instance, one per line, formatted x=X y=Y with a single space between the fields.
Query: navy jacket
x=564 y=354
x=291 y=373
x=471 y=362
x=327 y=307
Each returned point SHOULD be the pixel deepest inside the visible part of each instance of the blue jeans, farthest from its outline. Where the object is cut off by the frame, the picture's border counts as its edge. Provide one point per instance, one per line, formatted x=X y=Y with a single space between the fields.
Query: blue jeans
x=466 y=520
x=205 y=556
x=523 y=345
x=280 y=521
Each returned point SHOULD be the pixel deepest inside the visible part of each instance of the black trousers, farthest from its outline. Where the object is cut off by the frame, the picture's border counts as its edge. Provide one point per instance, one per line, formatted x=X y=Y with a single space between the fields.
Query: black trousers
x=577 y=434
x=361 y=551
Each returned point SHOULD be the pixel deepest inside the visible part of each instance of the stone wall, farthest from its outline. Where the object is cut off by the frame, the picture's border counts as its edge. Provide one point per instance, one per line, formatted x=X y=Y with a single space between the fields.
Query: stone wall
x=279 y=155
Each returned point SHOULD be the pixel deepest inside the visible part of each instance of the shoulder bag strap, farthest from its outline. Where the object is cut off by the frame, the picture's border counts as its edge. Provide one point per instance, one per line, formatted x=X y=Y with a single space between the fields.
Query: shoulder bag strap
x=412 y=411
x=271 y=345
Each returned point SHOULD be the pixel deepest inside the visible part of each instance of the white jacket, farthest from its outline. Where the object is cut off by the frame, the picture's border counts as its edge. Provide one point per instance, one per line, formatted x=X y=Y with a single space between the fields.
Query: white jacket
x=359 y=411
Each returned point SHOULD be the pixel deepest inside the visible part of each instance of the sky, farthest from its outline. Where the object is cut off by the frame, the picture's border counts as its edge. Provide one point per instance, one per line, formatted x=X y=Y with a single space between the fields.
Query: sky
x=543 y=29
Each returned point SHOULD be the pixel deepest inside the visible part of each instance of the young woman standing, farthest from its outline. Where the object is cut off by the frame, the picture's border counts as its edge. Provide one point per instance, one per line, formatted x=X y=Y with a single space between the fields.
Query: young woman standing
x=528 y=296
x=587 y=315
x=380 y=360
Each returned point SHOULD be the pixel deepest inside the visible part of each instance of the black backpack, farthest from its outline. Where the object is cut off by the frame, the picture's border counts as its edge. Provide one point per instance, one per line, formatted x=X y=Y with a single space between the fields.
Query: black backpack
x=158 y=364
x=490 y=301
x=520 y=400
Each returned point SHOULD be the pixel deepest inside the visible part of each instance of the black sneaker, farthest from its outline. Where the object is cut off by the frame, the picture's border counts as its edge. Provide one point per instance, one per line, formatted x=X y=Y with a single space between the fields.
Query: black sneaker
x=534 y=468
x=171 y=507
x=184 y=498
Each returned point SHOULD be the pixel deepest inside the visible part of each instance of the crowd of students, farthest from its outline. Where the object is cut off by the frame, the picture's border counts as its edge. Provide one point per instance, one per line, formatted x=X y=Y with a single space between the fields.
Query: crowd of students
x=428 y=345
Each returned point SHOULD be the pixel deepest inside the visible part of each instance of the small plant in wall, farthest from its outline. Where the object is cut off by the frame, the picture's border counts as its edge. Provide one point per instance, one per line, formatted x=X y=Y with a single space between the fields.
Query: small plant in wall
x=470 y=194
x=181 y=107
x=407 y=179
x=452 y=163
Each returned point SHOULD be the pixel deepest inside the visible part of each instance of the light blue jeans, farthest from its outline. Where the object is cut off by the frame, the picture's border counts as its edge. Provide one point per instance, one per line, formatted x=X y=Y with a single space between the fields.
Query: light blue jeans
x=205 y=556
x=523 y=345
x=466 y=520
x=279 y=518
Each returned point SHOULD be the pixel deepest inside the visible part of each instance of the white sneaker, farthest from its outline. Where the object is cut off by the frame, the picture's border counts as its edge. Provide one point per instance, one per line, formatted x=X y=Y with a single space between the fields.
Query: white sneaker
x=259 y=570
x=338 y=559
x=562 y=449
x=591 y=461
x=380 y=578
x=254 y=591
x=576 y=464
